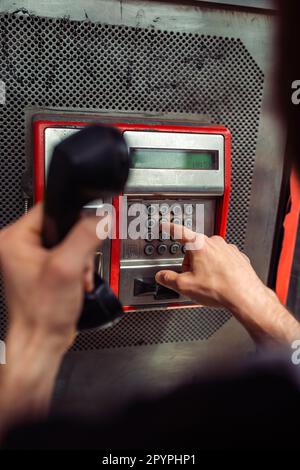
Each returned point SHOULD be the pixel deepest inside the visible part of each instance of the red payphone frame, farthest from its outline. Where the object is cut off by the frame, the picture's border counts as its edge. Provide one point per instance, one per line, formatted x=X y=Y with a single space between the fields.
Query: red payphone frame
x=42 y=123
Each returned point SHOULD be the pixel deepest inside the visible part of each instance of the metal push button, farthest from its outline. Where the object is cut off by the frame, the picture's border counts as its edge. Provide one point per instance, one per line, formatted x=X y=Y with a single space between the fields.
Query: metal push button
x=164 y=209
x=149 y=237
x=150 y=223
x=161 y=249
x=177 y=210
x=149 y=250
x=152 y=209
x=174 y=248
x=163 y=236
x=188 y=209
x=188 y=223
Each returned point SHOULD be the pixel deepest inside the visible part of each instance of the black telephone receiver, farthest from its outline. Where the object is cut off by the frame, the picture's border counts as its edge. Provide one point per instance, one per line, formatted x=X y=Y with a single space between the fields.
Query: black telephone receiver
x=90 y=164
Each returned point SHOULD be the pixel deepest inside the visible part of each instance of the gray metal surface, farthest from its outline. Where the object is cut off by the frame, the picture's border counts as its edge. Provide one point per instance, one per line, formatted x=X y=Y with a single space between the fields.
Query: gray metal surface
x=129 y=273
x=234 y=90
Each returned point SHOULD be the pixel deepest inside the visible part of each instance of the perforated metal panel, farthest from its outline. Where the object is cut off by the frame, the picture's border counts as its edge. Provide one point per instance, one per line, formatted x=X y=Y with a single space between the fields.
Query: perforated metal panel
x=69 y=64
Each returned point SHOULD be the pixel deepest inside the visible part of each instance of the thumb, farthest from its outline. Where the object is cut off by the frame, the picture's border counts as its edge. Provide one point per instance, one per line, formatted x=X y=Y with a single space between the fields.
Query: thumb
x=168 y=279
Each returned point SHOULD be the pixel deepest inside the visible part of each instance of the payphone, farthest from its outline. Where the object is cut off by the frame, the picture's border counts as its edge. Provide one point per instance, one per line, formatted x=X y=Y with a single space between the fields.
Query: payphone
x=179 y=173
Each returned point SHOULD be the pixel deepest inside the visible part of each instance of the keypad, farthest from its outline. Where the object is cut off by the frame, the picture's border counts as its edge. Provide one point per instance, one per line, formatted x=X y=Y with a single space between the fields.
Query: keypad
x=158 y=243
x=165 y=245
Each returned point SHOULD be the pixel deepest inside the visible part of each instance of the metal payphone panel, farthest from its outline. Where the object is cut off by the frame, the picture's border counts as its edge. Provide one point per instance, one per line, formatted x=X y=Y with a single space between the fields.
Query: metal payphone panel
x=142 y=258
x=177 y=172
x=173 y=174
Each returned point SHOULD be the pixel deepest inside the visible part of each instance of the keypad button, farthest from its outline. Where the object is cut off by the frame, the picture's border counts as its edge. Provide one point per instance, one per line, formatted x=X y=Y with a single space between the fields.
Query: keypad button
x=188 y=223
x=164 y=220
x=149 y=250
x=177 y=210
x=161 y=249
x=177 y=220
x=164 y=209
x=163 y=236
x=150 y=223
x=174 y=248
x=188 y=209
x=152 y=209
x=149 y=237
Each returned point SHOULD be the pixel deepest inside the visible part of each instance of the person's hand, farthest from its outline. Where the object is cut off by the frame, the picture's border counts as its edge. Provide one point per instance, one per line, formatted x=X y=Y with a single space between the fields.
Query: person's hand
x=44 y=290
x=214 y=273
x=217 y=274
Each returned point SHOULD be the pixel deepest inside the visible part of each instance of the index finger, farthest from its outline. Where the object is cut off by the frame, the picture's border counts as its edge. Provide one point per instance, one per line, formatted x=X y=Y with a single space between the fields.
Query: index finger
x=191 y=240
x=179 y=232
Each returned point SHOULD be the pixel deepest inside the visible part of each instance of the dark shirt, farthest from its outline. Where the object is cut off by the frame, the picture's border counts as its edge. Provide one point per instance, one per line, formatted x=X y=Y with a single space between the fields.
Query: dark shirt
x=256 y=407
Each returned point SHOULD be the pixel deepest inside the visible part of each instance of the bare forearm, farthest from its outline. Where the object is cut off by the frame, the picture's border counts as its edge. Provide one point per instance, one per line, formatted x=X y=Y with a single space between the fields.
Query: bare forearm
x=27 y=380
x=265 y=318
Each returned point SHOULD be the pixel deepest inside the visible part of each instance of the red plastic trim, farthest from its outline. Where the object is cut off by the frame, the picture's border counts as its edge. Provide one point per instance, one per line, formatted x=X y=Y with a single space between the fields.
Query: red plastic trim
x=290 y=225
x=115 y=254
x=223 y=204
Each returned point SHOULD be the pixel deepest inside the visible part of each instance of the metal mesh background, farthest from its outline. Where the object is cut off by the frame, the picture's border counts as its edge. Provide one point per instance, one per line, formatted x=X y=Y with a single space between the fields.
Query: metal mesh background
x=69 y=64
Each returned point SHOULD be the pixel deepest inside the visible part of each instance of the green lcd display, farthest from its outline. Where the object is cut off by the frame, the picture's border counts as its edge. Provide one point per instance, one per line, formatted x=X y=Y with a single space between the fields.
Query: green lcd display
x=174 y=159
